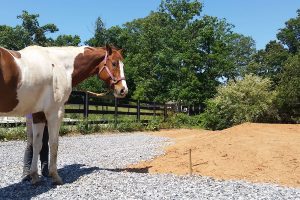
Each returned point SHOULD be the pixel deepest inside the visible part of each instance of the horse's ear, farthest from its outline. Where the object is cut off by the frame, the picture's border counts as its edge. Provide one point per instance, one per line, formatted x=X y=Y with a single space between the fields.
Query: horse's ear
x=108 y=49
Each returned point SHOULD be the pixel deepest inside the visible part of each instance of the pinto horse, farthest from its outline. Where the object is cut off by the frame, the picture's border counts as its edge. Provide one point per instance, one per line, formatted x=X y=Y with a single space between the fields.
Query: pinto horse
x=39 y=80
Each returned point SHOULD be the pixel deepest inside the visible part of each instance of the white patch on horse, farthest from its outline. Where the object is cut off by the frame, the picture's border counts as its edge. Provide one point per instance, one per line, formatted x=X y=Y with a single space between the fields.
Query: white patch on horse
x=124 y=84
x=36 y=81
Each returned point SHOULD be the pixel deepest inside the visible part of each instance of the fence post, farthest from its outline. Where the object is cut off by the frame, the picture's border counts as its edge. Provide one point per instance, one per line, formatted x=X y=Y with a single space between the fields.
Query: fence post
x=165 y=112
x=86 y=105
x=138 y=113
x=154 y=107
x=116 y=111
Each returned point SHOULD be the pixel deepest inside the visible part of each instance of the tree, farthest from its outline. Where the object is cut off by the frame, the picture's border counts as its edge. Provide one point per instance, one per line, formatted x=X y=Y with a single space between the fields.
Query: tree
x=279 y=61
x=289 y=90
x=290 y=35
x=268 y=63
x=67 y=40
x=174 y=54
x=13 y=38
x=100 y=35
x=36 y=33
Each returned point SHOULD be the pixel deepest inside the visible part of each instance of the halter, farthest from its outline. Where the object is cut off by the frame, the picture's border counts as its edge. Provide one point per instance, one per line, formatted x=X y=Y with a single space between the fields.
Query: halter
x=114 y=80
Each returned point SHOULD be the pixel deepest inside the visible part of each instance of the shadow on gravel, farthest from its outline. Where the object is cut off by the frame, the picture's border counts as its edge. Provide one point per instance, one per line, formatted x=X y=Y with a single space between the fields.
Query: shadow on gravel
x=143 y=170
x=26 y=191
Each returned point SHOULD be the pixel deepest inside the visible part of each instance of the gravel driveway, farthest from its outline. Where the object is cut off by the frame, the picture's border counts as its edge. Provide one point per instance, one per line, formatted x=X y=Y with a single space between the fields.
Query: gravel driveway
x=92 y=168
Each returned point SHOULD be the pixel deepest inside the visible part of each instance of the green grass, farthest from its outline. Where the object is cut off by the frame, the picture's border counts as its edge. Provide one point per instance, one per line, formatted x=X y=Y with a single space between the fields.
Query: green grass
x=125 y=124
x=17 y=133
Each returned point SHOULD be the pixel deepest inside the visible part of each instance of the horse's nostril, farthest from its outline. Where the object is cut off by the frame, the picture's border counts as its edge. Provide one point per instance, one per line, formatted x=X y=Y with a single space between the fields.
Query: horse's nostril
x=122 y=91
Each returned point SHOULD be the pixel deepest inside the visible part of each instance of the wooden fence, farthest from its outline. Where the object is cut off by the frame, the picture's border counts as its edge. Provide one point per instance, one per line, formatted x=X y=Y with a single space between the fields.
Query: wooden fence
x=108 y=105
x=85 y=104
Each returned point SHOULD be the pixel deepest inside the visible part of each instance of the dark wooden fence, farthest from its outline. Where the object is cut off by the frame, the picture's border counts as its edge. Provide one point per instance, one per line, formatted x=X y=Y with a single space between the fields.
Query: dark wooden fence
x=85 y=104
x=108 y=105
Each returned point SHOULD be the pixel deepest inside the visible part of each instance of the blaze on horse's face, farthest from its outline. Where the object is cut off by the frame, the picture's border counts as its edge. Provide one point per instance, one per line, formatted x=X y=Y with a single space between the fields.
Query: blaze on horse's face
x=111 y=70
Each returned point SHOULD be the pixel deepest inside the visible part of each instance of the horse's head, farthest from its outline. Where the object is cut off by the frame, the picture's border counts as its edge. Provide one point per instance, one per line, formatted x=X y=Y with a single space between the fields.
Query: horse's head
x=111 y=70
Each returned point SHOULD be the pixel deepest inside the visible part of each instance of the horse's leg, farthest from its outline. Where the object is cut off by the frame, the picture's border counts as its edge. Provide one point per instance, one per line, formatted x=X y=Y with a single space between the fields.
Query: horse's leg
x=28 y=150
x=37 y=145
x=54 y=120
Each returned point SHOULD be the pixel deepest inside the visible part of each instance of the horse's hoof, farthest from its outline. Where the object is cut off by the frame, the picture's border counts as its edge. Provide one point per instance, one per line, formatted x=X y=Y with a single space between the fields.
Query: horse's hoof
x=26 y=178
x=35 y=179
x=57 y=181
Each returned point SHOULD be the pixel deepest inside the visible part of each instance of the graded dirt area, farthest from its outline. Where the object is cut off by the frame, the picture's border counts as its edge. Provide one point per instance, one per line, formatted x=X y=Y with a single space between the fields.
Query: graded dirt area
x=268 y=153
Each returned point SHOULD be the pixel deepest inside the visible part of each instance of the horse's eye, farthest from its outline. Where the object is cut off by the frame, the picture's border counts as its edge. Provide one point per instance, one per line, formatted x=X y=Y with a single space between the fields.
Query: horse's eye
x=114 y=64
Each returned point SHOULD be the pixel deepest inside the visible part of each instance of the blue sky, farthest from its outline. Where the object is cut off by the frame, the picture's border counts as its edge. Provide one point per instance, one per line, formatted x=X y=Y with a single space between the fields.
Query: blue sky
x=259 y=19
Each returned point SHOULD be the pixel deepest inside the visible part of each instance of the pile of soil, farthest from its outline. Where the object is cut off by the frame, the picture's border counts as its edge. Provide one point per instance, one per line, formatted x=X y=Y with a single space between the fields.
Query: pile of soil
x=253 y=152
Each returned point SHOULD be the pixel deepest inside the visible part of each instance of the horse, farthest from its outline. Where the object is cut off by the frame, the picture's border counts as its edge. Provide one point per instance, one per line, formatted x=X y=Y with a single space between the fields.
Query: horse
x=39 y=80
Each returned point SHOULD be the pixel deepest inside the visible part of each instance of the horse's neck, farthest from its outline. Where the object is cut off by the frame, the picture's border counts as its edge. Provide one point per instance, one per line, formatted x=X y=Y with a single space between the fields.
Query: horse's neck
x=77 y=62
x=86 y=65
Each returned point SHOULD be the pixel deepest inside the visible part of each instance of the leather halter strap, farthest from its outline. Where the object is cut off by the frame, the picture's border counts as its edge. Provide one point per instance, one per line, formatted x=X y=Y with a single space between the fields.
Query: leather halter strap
x=113 y=78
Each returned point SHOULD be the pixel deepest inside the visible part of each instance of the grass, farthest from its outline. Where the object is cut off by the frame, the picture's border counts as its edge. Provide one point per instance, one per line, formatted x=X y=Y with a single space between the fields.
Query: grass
x=125 y=124
x=17 y=133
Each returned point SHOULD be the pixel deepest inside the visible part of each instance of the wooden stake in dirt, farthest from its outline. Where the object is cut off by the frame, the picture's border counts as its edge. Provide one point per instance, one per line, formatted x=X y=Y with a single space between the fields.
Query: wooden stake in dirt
x=190 y=159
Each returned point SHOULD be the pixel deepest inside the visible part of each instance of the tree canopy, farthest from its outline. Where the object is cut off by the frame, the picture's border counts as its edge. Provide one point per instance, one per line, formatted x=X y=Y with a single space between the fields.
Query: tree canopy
x=176 y=54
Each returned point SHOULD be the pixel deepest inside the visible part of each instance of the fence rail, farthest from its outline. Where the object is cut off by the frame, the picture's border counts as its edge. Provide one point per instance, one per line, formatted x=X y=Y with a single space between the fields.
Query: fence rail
x=86 y=101
x=85 y=104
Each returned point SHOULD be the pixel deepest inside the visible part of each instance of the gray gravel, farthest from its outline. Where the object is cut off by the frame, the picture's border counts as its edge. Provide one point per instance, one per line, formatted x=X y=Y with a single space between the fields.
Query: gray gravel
x=92 y=168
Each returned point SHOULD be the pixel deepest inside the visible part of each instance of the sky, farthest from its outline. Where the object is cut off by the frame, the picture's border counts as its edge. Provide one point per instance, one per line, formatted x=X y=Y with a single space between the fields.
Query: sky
x=260 y=19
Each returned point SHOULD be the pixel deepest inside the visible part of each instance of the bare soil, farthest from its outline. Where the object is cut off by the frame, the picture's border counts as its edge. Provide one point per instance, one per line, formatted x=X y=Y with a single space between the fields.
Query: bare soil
x=252 y=152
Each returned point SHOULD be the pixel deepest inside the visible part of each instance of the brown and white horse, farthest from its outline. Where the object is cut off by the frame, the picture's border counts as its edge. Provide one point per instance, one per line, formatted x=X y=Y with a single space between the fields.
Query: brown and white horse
x=39 y=80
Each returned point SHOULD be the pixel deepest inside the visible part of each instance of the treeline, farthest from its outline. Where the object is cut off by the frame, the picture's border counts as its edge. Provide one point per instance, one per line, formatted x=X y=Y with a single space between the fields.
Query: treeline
x=178 y=54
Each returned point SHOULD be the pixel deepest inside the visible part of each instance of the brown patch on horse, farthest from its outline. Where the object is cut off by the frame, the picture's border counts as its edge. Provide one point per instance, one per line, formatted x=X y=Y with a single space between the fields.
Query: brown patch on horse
x=85 y=64
x=9 y=81
x=89 y=63
x=16 y=54
x=39 y=117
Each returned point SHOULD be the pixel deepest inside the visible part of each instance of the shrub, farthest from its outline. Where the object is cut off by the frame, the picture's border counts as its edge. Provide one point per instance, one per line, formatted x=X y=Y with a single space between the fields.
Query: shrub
x=16 y=133
x=83 y=127
x=64 y=130
x=180 y=120
x=247 y=100
x=129 y=126
x=154 y=124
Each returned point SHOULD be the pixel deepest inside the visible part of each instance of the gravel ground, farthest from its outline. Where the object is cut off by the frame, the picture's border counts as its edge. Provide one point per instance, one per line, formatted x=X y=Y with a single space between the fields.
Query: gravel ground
x=92 y=167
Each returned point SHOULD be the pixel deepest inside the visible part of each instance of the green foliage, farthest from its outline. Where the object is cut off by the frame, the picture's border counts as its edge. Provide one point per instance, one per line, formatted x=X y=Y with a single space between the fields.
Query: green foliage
x=67 y=40
x=12 y=133
x=216 y=116
x=14 y=38
x=129 y=126
x=36 y=33
x=268 y=63
x=92 y=84
x=247 y=100
x=31 y=33
x=290 y=34
x=154 y=124
x=279 y=61
x=182 y=120
x=289 y=90
x=174 y=54
x=100 y=37
x=83 y=127
x=64 y=130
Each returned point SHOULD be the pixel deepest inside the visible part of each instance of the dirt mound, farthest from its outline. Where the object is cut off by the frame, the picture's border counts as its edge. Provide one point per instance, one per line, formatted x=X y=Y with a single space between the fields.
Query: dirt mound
x=252 y=152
